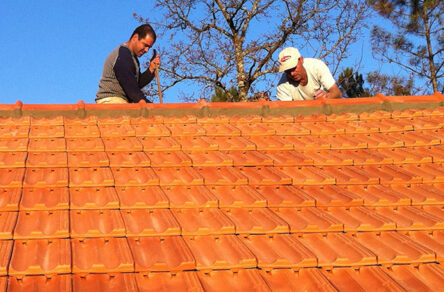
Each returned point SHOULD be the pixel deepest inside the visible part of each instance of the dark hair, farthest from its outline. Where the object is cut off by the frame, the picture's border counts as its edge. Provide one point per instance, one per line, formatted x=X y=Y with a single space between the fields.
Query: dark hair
x=143 y=30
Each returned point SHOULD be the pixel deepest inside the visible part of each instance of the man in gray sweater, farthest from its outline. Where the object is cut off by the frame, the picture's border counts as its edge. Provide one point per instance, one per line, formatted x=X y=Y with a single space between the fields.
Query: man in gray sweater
x=121 y=80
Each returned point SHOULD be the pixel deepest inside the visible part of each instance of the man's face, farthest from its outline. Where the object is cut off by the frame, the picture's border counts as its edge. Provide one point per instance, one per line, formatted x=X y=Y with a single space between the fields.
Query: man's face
x=141 y=46
x=297 y=73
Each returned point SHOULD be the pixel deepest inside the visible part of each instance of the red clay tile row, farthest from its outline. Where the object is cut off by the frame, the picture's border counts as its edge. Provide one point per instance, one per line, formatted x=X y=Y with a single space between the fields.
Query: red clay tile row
x=230 y=196
x=219 y=252
x=359 y=157
x=50 y=143
x=315 y=128
x=84 y=223
x=427 y=277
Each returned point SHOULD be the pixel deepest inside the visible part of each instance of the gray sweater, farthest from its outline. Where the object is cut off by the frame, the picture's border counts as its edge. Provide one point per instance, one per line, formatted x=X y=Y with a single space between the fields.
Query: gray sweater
x=121 y=76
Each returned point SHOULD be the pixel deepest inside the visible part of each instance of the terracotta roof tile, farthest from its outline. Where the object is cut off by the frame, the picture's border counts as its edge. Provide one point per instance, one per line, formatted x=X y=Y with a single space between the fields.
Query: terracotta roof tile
x=82 y=131
x=93 y=198
x=47 y=159
x=366 y=279
x=180 y=176
x=395 y=248
x=190 y=197
x=46 y=132
x=122 y=130
x=220 y=252
x=128 y=159
x=159 y=144
x=208 y=221
x=232 y=143
x=10 y=198
x=7 y=224
x=96 y=223
x=99 y=282
x=49 y=145
x=42 y=224
x=169 y=158
x=88 y=159
x=14 y=131
x=169 y=253
x=45 y=199
x=304 y=279
x=307 y=220
x=40 y=283
x=222 y=176
x=279 y=251
x=150 y=222
x=14 y=145
x=285 y=196
x=256 y=221
x=186 y=281
x=101 y=255
x=12 y=159
x=142 y=197
x=338 y=250
x=238 y=196
x=90 y=177
x=209 y=158
x=421 y=278
x=84 y=144
x=122 y=144
x=136 y=176
x=213 y=129
x=242 y=280
x=43 y=256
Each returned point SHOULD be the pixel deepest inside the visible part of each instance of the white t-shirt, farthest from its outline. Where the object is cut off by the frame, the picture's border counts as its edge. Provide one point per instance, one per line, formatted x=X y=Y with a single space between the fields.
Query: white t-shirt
x=318 y=75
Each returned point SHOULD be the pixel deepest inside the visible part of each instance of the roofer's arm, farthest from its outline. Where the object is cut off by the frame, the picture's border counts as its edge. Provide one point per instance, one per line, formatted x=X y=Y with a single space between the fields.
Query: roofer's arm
x=125 y=73
x=148 y=75
x=332 y=92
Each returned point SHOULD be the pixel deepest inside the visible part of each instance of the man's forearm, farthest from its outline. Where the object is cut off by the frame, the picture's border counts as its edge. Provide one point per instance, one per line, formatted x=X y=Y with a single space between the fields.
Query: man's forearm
x=145 y=78
x=334 y=92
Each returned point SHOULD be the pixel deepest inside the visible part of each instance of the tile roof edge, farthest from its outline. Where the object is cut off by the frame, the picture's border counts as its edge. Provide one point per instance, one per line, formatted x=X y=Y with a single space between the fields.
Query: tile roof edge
x=204 y=108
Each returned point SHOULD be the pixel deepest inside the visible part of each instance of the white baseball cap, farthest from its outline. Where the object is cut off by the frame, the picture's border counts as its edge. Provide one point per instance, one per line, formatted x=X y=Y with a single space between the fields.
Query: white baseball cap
x=288 y=58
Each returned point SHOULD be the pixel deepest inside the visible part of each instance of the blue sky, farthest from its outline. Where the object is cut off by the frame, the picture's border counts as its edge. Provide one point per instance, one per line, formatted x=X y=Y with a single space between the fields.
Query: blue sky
x=53 y=51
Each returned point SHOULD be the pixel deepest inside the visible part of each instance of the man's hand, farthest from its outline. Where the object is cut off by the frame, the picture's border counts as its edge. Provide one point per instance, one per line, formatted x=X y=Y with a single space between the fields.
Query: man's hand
x=333 y=92
x=320 y=94
x=155 y=62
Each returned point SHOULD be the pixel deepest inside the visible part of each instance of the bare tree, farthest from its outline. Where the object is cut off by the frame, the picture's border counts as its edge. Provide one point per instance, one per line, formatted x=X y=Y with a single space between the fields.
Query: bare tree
x=415 y=41
x=225 y=43
x=390 y=85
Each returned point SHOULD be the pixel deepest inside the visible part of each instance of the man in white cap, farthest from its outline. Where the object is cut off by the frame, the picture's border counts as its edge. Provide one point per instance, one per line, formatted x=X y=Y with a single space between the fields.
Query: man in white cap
x=304 y=78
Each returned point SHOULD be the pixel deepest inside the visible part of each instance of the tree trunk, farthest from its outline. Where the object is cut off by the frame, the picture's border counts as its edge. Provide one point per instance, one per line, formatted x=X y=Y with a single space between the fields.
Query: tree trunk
x=429 y=50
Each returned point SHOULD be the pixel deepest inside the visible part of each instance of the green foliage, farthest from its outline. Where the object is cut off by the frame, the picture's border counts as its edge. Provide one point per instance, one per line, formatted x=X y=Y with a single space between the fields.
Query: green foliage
x=222 y=95
x=352 y=83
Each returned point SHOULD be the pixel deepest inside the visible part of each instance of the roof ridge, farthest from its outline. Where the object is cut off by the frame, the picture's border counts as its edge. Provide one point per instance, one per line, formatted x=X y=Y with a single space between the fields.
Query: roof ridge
x=203 y=108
